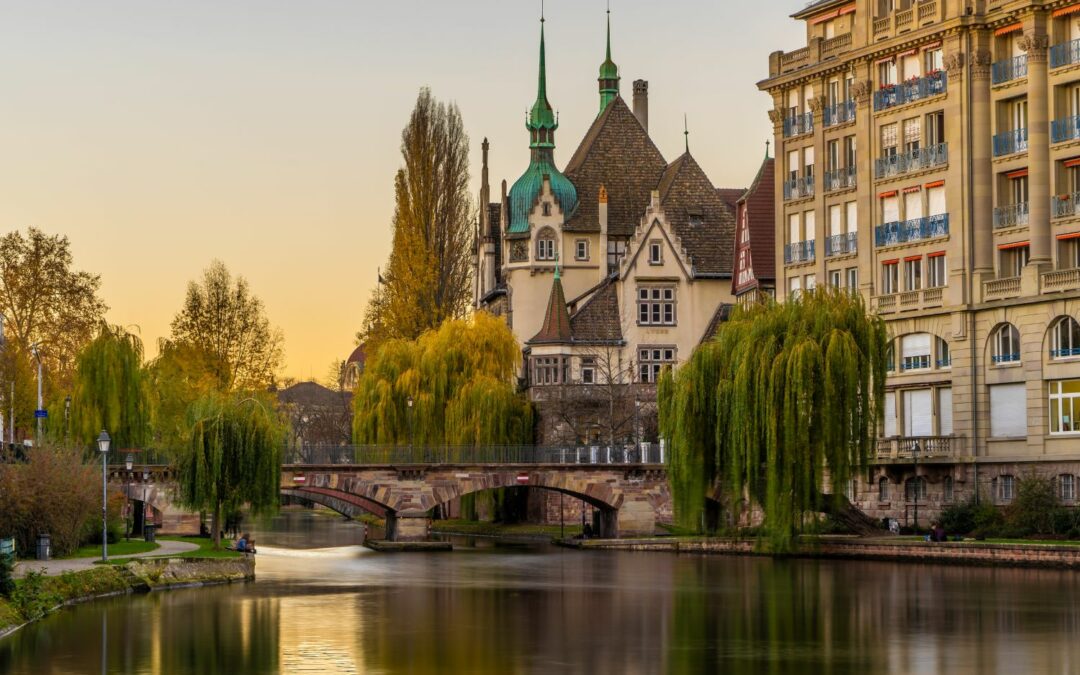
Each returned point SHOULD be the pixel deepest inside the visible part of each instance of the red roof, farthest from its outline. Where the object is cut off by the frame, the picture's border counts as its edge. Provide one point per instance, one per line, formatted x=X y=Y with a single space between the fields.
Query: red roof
x=761 y=221
x=358 y=355
x=556 y=328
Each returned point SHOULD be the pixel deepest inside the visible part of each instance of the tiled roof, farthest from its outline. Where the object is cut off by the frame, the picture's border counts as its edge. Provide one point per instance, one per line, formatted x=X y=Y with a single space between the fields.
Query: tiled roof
x=556 y=327
x=687 y=195
x=760 y=217
x=618 y=154
x=598 y=321
x=731 y=196
x=723 y=312
x=495 y=220
x=310 y=394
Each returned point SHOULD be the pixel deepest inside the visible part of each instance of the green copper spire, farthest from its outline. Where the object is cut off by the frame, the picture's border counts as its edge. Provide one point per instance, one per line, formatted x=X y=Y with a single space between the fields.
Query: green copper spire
x=542 y=123
x=609 y=72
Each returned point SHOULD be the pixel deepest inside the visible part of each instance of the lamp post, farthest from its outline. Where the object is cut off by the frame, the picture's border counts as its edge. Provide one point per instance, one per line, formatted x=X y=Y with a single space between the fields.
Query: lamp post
x=408 y=414
x=103 y=447
x=67 y=417
x=37 y=413
x=915 y=453
x=129 y=461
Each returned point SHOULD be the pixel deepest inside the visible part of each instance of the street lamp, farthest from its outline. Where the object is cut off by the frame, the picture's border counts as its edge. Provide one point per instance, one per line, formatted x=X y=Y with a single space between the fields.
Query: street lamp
x=67 y=416
x=40 y=405
x=129 y=461
x=915 y=453
x=408 y=414
x=103 y=447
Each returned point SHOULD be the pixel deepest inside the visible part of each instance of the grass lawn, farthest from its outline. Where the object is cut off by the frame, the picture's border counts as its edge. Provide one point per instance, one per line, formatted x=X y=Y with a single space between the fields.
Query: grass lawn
x=119 y=548
x=500 y=529
x=205 y=550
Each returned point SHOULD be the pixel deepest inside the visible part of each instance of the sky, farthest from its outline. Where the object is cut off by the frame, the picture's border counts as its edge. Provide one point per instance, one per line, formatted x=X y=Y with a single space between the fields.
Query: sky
x=161 y=135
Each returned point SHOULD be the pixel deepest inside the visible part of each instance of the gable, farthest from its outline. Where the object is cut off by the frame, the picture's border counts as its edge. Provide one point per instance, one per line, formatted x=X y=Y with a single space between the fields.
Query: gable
x=698 y=215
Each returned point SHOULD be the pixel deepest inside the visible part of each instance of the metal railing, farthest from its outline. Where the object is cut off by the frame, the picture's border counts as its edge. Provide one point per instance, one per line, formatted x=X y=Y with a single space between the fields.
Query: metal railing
x=913 y=160
x=1009 y=69
x=1065 y=206
x=841 y=244
x=839 y=113
x=799 y=252
x=799 y=125
x=1012 y=215
x=839 y=179
x=1065 y=129
x=913 y=90
x=599 y=454
x=1064 y=54
x=1009 y=142
x=118 y=458
x=798 y=188
x=918 y=229
x=1064 y=353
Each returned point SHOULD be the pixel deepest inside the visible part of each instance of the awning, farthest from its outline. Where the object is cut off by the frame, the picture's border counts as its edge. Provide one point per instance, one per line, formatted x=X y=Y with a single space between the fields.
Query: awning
x=1071 y=9
x=1070 y=235
x=909 y=190
x=886 y=59
x=886 y=195
x=1012 y=28
x=912 y=258
x=1019 y=173
x=910 y=52
x=1015 y=244
x=934 y=184
x=932 y=45
x=1069 y=163
x=935 y=254
x=890 y=262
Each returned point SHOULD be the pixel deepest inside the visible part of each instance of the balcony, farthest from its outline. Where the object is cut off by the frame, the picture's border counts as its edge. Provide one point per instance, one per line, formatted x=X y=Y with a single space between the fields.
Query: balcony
x=1005 y=358
x=840 y=113
x=1065 y=54
x=917 y=229
x=1009 y=69
x=1061 y=280
x=1064 y=353
x=999 y=289
x=835 y=45
x=1065 y=206
x=841 y=244
x=913 y=90
x=912 y=160
x=799 y=188
x=1066 y=129
x=1013 y=215
x=799 y=125
x=799 y=252
x=908 y=301
x=1010 y=142
x=840 y=179
x=926 y=447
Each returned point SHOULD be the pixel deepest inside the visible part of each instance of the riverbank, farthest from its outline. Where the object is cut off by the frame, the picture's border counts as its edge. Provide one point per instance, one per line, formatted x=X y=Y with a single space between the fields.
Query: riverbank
x=1049 y=555
x=477 y=528
x=37 y=595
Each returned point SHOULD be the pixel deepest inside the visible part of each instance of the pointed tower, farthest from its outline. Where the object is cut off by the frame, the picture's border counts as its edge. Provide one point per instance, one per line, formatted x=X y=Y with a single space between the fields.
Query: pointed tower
x=609 y=73
x=541 y=124
x=556 y=326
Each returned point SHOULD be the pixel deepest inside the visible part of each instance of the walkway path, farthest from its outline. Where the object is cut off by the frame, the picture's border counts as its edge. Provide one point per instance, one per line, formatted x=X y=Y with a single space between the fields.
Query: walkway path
x=165 y=547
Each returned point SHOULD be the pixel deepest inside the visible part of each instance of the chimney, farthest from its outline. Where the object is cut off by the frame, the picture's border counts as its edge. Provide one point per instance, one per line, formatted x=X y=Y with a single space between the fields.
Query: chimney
x=641 y=103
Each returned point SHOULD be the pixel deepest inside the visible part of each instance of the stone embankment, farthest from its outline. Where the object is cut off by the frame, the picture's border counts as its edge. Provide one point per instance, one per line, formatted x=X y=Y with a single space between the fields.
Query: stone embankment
x=965 y=552
x=40 y=595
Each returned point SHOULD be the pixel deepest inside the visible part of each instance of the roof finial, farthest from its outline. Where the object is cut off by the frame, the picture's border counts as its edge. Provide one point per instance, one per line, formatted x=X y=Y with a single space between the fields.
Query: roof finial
x=609 y=72
x=767 y=142
x=541 y=11
x=686 y=131
x=557 y=276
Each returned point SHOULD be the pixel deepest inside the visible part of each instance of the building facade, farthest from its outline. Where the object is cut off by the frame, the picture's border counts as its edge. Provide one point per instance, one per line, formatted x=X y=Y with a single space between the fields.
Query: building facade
x=934 y=145
x=606 y=270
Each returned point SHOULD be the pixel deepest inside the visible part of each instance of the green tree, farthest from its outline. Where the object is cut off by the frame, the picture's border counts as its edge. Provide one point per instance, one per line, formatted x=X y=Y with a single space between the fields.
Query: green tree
x=428 y=274
x=461 y=380
x=233 y=457
x=785 y=395
x=223 y=317
x=181 y=374
x=111 y=391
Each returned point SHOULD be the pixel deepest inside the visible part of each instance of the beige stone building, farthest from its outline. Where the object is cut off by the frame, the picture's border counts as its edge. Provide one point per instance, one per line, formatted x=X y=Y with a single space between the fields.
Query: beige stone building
x=929 y=158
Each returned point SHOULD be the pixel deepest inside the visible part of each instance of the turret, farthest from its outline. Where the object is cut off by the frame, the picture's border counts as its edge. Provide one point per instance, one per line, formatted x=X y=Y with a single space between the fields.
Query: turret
x=609 y=73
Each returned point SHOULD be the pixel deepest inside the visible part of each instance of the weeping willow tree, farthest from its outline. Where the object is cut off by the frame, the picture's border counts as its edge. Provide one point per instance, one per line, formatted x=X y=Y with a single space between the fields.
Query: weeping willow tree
x=460 y=379
x=783 y=402
x=233 y=457
x=110 y=391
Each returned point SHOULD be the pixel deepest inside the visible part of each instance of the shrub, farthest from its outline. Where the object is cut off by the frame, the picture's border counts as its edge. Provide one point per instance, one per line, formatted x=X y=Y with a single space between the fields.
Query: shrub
x=1034 y=509
x=7 y=575
x=971 y=517
x=33 y=596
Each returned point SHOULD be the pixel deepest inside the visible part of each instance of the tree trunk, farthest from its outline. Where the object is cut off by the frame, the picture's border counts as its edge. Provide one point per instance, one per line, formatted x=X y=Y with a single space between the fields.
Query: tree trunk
x=848 y=515
x=215 y=526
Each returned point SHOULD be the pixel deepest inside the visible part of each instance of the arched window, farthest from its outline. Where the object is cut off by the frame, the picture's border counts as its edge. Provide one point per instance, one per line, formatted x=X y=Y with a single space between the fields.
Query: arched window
x=890 y=357
x=915 y=488
x=1065 y=338
x=883 y=489
x=545 y=244
x=948 y=489
x=1067 y=487
x=915 y=351
x=944 y=356
x=1006 y=488
x=1006 y=344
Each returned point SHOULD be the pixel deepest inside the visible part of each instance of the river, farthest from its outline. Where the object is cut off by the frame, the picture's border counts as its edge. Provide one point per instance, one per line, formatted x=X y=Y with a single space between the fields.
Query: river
x=323 y=604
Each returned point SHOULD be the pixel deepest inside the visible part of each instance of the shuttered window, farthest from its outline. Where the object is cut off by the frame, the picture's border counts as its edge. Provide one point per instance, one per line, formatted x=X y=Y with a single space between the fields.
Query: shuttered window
x=915 y=351
x=945 y=426
x=935 y=198
x=890 y=414
x=918 y=412
x=1008 y=410
x=890 y=209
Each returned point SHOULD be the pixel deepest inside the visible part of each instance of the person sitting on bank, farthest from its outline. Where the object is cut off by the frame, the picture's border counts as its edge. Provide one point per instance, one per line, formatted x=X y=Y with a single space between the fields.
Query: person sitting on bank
x=250 y=547
x=241 y=543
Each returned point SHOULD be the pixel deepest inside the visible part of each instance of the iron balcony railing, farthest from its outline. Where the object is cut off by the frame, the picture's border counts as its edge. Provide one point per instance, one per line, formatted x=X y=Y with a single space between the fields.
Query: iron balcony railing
x=918 y=229
x=912 y=90
x=1008 y=142
x=1064 y=353
x=1065 y=54
x=1009 y=69
x=598 y=454
x=839 y=179
x=916 y=159
x=799 y=252
x=1012 y=215
x=915 y=362
x=841 y=244
x=798 y=188
x=1065 y=129
x=799 y=125
x=1065 y=206
x=945 y=362
x=839 y=113
x=1006 y=358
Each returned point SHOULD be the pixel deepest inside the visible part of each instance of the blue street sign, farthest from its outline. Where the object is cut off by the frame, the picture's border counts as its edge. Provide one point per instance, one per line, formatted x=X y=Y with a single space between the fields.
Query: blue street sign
x=41 y=413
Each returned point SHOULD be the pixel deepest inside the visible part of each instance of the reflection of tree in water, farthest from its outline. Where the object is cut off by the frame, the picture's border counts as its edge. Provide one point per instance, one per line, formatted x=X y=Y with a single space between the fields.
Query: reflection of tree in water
x=220 y=634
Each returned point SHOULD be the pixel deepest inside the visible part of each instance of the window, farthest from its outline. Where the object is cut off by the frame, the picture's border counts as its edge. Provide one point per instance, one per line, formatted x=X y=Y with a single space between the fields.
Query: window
x=836 y=221
x=913 y=274
x=911 y=67
x=935 y=270
x=933 y=60
x=849 y=152
x=656 y=252
x=912 y=135
x=581 y=249
x=935 y=201
x=1065 y=338
x=883 y=489
x=913 y=206
x=1067 y=487
x=810 y=282
x=697 y=219
x=810 y=225
x=944 y=357
x=1014 y=259
x=836 y=278
x=890 y=282
x=1018 y=114
x=935 y=128
x=915 y=489
x=794 y=287
x=615 y=252
x=1006 y=488
x=832 y=155
x=1069 y=253
x=1018 y=189
x=1064 y=406
x=948 y=489
x=918 y=412
x=656 y=306
x=651 y=360
x=545 y=245
x=1006 y=344
x=852 y=217
x=808 y=163
x=888 y=140
x=853 y=278
x=915 y=352
x=549 y=370
x=890 y=209
x=1008 y=410
x=890 y=414
x=588 y=370
x=793 y=165
x=887 y=73
x=794 y=229
x=945 y=425
x=546 y=209
x=851 y=489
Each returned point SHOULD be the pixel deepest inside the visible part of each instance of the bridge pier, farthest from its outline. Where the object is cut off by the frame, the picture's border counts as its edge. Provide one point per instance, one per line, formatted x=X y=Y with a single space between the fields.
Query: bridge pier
x=407 y=526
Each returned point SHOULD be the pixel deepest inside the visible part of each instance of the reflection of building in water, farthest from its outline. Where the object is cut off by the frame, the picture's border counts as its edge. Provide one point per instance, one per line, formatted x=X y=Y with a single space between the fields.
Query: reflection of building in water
x=321 y=633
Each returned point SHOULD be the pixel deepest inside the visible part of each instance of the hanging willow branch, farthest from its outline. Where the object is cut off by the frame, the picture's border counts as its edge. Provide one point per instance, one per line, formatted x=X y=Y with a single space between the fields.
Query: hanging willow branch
x=111 y=391
x=785 y=397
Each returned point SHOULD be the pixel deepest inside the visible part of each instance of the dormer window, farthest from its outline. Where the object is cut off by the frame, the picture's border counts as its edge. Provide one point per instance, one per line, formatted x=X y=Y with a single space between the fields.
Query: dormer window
x=656 y=252
x=546 y=208
x=697 y=219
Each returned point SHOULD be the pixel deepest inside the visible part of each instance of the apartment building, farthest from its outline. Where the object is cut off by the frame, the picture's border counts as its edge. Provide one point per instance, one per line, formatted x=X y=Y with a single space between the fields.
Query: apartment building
x=929 y=158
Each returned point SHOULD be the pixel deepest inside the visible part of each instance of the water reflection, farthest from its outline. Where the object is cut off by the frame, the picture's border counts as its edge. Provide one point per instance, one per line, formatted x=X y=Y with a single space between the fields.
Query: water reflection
x=524 y=609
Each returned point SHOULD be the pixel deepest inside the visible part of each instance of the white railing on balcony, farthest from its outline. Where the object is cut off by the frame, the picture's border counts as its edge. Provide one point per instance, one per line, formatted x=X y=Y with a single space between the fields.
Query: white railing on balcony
x=912 y=160
x=834 y=45
x=1012 y=215
x=922 y=447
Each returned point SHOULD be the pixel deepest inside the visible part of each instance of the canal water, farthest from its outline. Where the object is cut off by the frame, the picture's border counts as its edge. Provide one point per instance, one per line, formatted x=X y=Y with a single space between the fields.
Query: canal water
x=323 y=604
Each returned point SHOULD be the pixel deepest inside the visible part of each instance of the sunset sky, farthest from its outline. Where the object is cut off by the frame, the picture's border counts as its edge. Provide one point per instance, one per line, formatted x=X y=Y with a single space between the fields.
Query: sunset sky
x=161 y=135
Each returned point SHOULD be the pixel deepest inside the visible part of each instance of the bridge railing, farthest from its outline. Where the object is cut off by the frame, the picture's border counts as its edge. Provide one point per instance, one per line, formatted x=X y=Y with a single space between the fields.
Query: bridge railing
x=371 y=455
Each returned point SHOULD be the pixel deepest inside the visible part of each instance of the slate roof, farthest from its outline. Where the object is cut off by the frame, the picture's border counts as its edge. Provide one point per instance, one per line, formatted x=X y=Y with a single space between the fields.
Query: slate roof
x=556 y=326
x=723 y=313
x=761 y=219
x=311 y=394
x=495 y=222
x=598 y=320
x=686 y=194
x=618 y=154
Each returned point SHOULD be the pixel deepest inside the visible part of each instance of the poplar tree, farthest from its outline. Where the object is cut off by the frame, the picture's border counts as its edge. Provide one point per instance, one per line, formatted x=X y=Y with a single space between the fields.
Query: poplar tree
x=427 y=278
x=110 y=391
x=783 y=403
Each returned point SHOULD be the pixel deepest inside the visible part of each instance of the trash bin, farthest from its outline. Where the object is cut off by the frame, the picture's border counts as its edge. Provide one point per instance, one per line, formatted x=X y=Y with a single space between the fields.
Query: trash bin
x=148 y=531
x=7 y=547
x=44 y=546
